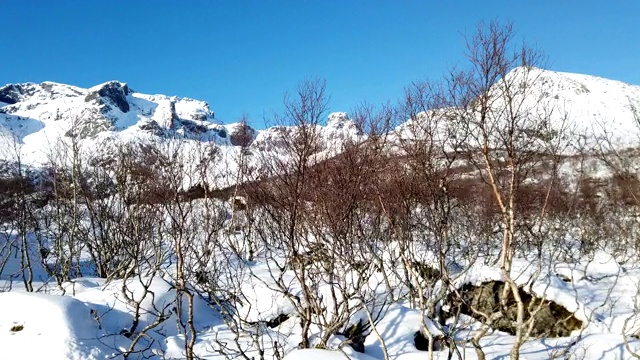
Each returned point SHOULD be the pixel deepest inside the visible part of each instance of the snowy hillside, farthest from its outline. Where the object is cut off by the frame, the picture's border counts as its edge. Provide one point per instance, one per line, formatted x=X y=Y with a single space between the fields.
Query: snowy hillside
x=586 y=106
x=590 y=113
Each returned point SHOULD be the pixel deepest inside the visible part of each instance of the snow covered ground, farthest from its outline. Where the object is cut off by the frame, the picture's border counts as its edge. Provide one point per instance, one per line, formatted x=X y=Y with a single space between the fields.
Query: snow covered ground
x=87 y=321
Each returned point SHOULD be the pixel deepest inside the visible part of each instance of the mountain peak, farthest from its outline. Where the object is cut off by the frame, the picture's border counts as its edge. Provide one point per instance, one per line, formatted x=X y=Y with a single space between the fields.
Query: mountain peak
x=337 y=119
x=113 y=92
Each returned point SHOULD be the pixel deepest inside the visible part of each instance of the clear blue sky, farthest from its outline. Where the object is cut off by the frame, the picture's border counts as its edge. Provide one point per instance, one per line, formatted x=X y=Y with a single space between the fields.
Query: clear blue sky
x=242 y=56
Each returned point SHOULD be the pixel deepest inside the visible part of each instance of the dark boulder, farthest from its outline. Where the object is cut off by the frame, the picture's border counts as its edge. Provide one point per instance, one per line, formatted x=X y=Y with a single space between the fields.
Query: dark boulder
x=550 y=318
x=421 y=342
x=152 y=127
x=202 y=116
x=193 y=127
x=355 y=335
x=426 y=272
x=274 y=323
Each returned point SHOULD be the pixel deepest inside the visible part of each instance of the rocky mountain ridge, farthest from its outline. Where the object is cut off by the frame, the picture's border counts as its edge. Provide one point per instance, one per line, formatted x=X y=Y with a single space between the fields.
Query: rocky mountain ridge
x=33 y=115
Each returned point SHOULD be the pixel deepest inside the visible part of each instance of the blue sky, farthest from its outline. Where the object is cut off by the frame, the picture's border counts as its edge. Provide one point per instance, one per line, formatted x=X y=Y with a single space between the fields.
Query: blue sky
x=241 y=56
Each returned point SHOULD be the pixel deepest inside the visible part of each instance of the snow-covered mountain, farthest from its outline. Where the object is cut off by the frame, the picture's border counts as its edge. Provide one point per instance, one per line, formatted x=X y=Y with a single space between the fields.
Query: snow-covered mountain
x=585 y=106
x=33 y=116
x=37 y=114
x=588 y=112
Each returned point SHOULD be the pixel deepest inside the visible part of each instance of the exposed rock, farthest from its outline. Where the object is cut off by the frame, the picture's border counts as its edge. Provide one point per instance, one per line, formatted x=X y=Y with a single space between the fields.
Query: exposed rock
x=193 y=127
x=90 y=124
x=200 y=116
x=239 y=203
x=422 y=342
x=316 y=255
x=551 y=319
x=339 y=124
x=14 y=93
x=338 y=120
x=355 y=335
x=152 y=127
x=173 y=117
x=275 y=137
x=55 y=90
x=426 y=272
x=9 y=94
x=113 y=92
x=274 y=323
x=202 y=277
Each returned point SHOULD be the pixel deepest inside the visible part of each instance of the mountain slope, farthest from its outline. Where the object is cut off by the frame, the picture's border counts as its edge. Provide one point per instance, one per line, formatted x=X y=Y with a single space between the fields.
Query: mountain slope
x=587 y=106
x=588 y=112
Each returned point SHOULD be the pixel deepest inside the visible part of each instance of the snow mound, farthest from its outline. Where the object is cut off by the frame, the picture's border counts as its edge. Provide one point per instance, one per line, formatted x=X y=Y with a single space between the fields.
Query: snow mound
x=397 y=328
x=320 y=354
x=40 y=326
